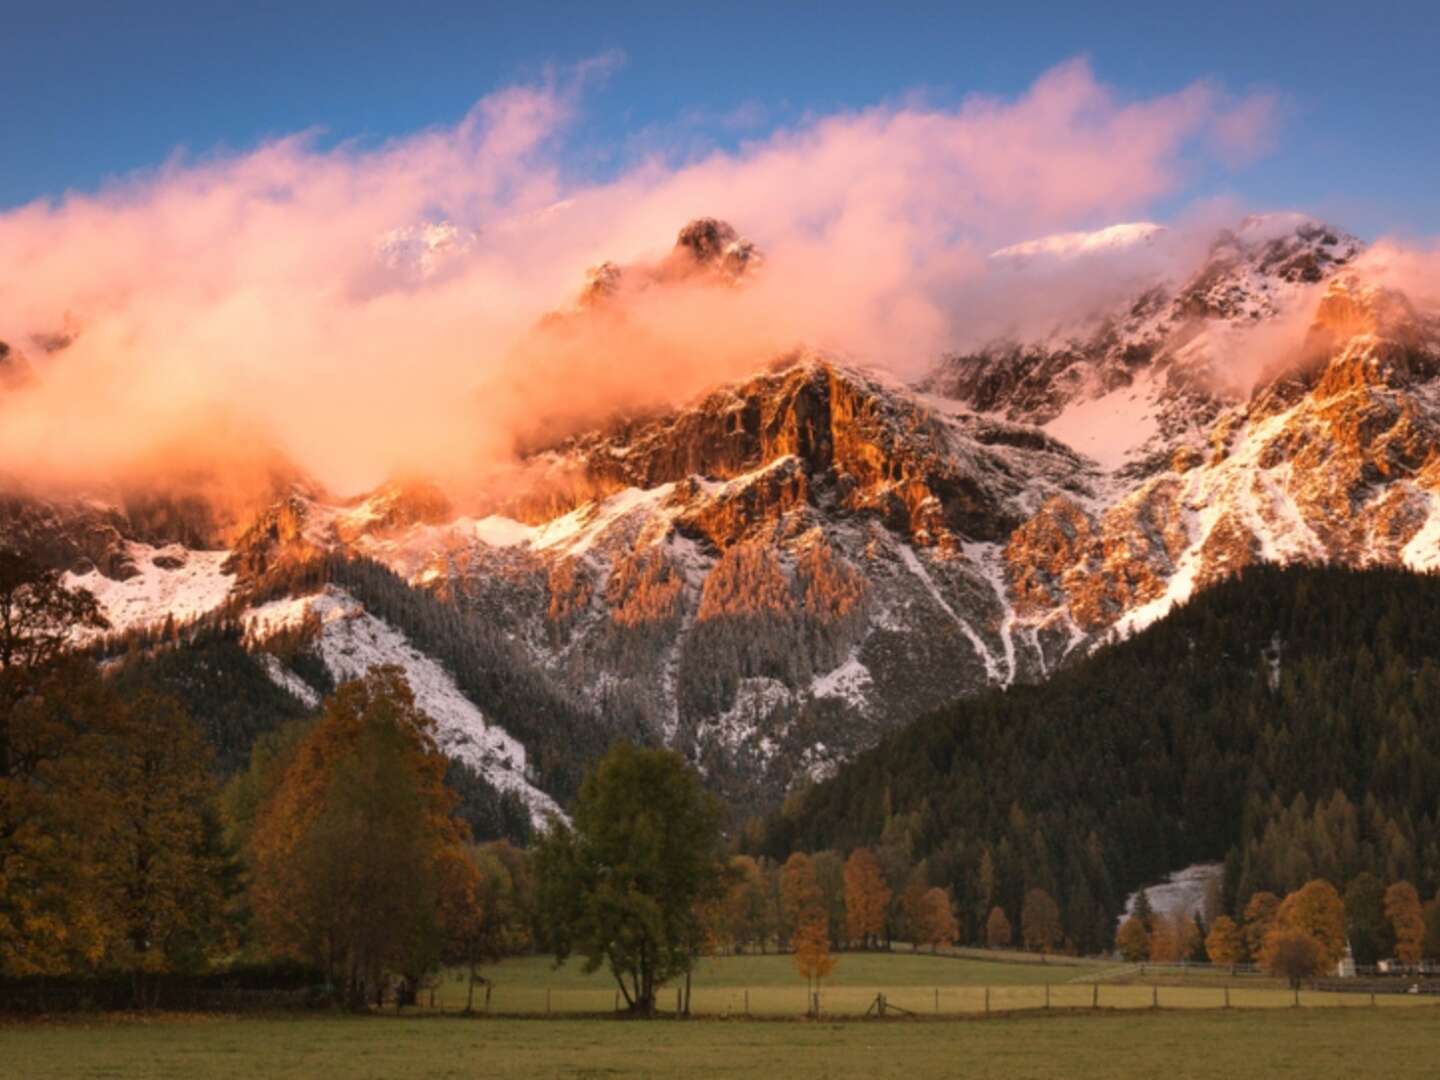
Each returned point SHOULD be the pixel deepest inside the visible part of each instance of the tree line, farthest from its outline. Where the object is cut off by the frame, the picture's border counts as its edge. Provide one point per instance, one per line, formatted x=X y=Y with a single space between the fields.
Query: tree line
x=1285 y=722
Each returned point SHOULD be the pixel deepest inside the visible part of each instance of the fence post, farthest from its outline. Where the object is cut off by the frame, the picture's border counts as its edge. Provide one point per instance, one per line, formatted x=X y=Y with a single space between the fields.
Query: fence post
x=1296 y=1003
x=1047 y=995
x=1154 y=995
x=937 y=1000
x=1227 y=995
x=1095 y=996
x=747 y=1001
x=987 y=999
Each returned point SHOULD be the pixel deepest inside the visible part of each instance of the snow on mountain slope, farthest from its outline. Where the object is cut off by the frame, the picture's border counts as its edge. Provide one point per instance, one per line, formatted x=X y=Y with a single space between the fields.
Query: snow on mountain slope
x=1072 y=244
x=169 y=581
x=352 y=641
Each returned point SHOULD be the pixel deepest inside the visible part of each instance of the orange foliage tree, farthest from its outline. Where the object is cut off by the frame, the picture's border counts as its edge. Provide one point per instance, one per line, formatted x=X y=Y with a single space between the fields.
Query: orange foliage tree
x=356 y=857
x=812 y=951
x=866 y=897
x=1224 y=944
x=1133 y=940
x=1316 y=909
x=998 y=932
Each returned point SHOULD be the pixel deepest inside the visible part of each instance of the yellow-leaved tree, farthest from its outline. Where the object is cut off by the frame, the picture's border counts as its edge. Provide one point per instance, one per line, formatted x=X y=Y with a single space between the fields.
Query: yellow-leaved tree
x=866 y=897
x=356 y=858
x=812 y=953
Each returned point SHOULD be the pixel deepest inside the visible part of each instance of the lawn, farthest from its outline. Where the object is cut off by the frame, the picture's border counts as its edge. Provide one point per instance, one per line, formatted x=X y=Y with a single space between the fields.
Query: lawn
x=1301 y=1043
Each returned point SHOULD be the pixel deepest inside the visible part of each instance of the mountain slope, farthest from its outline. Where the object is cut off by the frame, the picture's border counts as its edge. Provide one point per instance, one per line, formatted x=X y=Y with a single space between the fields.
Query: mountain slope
x=773 y=575
x=1286 y=721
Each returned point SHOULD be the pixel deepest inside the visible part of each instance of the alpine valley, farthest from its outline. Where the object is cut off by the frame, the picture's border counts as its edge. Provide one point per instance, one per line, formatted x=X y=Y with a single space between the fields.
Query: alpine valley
x=776 y=574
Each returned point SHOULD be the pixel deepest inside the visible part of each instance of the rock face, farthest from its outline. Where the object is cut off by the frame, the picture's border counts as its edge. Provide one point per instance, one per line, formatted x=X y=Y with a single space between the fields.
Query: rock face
x=773 y=575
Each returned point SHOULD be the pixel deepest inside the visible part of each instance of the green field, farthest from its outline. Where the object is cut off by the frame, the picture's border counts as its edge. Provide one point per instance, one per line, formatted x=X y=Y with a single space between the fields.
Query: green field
x=768 y=987
x=1300 y=1043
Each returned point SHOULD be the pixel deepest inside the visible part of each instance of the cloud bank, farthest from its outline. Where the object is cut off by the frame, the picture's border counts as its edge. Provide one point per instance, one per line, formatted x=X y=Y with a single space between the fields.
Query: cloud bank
x=223 y=308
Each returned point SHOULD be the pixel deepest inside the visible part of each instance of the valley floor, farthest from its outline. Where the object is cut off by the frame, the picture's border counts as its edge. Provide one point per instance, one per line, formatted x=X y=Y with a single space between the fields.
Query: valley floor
x=1308 y=1043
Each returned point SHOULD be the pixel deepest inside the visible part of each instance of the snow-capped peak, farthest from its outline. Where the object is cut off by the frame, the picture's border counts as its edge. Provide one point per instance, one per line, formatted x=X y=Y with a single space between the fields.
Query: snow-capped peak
x=1113 y=238
x=423 y=249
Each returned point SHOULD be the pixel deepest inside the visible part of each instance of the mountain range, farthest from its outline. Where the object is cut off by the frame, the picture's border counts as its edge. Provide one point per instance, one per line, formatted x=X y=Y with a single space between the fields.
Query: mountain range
x=774 y=575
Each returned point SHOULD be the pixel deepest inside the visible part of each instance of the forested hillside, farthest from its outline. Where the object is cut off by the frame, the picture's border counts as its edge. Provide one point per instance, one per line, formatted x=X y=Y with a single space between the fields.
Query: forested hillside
x=1286 y=721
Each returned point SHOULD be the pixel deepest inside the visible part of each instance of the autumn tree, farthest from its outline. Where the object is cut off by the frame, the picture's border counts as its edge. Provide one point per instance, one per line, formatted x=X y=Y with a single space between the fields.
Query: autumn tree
x=998 y=933
x=622 y=887
x=1166 y=946
x=155 y=839
x=1402 y=908
x=1292 y=954
x=744 y=904
x=1225 y=945
x=1316 y=908
x=812 y=952
x=1260 y=914
x=935 y=919
x=913 y=908
x=1133 y=940
x=799 y=894
x=46 y=701
x=352 y=852
x=867 y=897
x=1040 y=922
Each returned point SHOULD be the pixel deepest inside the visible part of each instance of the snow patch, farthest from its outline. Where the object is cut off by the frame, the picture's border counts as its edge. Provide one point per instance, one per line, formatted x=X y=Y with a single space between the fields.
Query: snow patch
x=191 y=585
x=1181 y=893
x=352 y=641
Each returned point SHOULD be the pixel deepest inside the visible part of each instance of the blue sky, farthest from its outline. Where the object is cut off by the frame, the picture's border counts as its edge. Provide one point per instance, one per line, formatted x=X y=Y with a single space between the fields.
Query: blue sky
x=88 y=93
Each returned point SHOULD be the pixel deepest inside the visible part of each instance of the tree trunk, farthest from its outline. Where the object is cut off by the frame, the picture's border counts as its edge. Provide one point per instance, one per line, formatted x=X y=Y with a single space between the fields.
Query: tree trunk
x=470 y=991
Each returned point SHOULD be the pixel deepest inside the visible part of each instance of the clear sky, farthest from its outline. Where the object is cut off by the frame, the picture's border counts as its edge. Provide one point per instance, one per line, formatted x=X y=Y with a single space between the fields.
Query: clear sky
x=94 y=90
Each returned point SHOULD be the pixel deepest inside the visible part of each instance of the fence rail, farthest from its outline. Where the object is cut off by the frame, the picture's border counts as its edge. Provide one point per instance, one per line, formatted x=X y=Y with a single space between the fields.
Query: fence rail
x=922 y=1001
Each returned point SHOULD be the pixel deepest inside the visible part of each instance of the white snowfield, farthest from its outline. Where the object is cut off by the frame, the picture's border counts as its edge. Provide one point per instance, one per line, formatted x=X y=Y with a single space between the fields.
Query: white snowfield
x=352 y=641
x=1182 y=893
x=194 y=587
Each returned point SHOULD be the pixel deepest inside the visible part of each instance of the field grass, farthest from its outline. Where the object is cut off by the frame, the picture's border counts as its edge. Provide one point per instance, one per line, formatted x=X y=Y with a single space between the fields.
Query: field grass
x=1299 y=1043
x=767 y=986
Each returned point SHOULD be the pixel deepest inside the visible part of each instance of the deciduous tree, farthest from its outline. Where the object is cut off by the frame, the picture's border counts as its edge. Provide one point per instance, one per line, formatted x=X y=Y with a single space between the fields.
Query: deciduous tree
x=622 y=887
x=1292 y=954
x=812 y=951
x=1225 y=945
x=998 y=932
x=866 y=897
x=1317 y=909
x=1260 y=913
x=351 y=852
x=1133 y=941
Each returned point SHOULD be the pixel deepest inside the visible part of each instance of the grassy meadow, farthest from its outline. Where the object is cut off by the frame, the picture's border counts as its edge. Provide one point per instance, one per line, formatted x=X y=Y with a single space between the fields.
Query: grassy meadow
x=1301 y=1043
x=768 y=987
x=1189 y=1036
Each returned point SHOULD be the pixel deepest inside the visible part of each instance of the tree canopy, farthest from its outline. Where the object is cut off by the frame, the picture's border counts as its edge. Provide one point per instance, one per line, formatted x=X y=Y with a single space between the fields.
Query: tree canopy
x=623 y=887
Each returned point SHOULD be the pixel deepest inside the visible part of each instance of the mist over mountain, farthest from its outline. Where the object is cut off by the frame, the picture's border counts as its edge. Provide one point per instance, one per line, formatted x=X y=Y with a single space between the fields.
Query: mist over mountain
x=772 y=574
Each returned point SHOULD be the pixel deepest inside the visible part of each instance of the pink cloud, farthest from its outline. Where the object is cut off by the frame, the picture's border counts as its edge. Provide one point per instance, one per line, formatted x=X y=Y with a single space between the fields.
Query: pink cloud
x=244 y=295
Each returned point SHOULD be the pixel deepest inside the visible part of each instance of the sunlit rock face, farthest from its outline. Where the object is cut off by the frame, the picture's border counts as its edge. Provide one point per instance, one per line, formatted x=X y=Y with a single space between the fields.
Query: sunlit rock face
x=774 y=574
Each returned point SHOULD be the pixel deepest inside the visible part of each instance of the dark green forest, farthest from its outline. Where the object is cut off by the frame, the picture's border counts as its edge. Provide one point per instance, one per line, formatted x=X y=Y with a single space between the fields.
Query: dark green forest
x=1286 y=721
